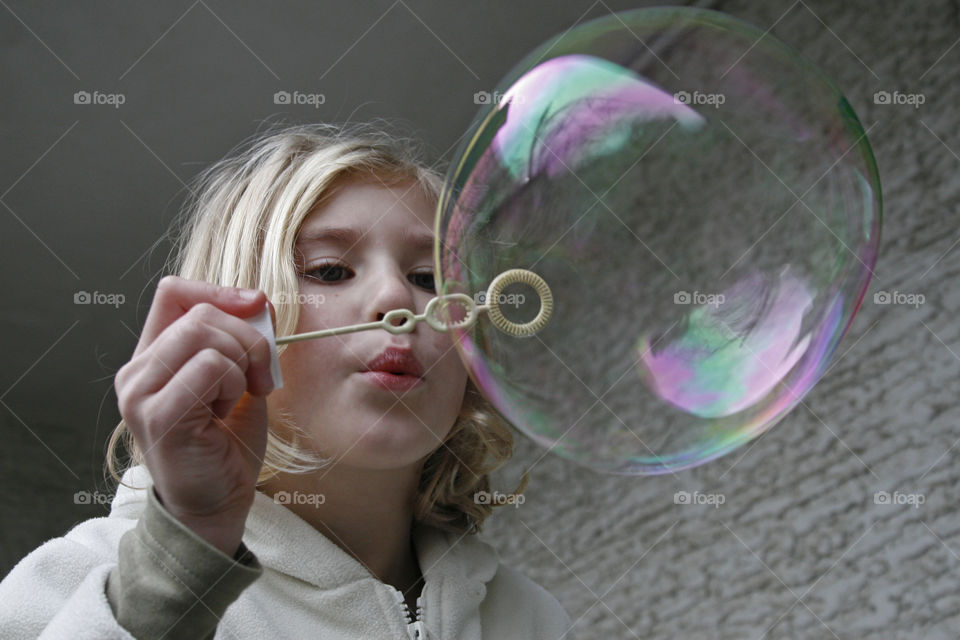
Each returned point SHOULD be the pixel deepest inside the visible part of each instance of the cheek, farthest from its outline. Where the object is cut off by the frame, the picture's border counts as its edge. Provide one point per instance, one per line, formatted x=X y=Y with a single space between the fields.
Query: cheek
x=449 y=360
x=308 y=357
x=452 y=373
x=304 y=376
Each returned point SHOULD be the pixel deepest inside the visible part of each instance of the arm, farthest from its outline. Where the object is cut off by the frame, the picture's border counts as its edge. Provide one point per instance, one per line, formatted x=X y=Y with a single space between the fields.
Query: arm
x=106 y=580
x=172 y=583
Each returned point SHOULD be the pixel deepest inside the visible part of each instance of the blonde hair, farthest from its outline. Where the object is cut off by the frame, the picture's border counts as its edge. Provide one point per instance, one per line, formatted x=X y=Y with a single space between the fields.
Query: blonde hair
x=238 y=229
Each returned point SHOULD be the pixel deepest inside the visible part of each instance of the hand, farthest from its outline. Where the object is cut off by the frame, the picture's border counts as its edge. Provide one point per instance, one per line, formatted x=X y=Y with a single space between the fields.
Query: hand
x=194 y=397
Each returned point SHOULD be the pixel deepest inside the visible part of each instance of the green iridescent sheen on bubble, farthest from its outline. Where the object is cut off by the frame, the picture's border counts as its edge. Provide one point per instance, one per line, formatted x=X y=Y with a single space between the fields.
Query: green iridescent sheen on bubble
x=706 y=210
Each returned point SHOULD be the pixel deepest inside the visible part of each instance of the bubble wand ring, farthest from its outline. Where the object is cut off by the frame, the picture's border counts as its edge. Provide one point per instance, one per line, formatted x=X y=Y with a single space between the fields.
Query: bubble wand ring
x=492 y=305
x=429 y=315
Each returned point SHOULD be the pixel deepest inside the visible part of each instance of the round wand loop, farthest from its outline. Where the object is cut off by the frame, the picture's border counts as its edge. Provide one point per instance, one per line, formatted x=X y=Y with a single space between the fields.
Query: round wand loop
x=511 y=276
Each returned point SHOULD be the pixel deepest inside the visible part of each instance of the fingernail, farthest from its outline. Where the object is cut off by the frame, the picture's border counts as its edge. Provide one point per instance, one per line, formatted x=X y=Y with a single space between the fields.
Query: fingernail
x=247 y=295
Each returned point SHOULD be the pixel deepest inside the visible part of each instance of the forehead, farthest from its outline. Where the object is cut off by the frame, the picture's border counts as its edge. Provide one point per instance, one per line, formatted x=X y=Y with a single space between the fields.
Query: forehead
x=359 y=207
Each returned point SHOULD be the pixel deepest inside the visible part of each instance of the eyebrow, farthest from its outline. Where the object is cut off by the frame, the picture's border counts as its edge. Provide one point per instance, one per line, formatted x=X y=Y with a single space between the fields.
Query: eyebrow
x=348 y=237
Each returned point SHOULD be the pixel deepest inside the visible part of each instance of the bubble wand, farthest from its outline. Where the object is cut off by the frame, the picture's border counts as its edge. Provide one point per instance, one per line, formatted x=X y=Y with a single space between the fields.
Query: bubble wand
x=473 y=310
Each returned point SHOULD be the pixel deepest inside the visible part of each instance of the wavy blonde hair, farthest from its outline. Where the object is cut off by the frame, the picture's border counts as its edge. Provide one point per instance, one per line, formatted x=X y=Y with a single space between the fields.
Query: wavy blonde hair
x=238 y=229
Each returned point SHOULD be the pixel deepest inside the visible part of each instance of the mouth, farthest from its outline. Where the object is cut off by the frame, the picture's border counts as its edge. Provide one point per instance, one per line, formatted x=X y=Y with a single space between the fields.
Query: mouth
x=392 y=381
x=395 y=369
x=396 y=361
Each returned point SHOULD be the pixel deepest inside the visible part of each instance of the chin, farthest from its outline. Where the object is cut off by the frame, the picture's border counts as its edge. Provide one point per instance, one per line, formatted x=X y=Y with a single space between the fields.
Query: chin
x=391 y=444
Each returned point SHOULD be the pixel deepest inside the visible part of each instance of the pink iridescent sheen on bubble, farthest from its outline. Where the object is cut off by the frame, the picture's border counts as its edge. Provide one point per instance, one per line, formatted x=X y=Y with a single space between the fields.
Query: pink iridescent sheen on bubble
x=705 y=208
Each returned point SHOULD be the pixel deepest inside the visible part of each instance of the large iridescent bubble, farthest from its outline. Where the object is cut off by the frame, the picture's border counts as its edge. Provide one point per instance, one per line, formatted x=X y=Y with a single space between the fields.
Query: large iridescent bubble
x=705 y=208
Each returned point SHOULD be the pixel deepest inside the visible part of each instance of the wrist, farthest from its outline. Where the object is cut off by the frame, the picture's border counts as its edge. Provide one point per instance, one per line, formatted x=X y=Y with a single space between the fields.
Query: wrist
x=225 y=537
x=224 y=531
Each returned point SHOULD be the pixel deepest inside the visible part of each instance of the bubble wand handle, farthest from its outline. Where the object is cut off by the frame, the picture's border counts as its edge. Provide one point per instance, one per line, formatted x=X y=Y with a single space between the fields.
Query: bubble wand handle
x=410 y=320
x=444 y=302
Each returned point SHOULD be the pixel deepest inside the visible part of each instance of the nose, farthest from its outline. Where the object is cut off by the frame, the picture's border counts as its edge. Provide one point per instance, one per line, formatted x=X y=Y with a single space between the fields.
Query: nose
x=390 y=291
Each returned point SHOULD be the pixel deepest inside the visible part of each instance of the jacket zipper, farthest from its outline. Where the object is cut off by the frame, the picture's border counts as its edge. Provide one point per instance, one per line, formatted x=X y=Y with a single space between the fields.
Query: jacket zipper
x=415 y=628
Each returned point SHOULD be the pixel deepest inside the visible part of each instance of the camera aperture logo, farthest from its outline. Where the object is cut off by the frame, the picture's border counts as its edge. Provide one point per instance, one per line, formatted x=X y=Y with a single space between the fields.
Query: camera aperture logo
x=698 y=298
x=300 y=299
x=899 y=298
x=298 y=98
x=92 y=497
x=486 y=97
x=99 y=98
x=697 y=98
x=503 y=299
x=688 y=498
x=898 y=98
x=298 y=497
x=97 y=297
x=497 y=498
x=896 y=498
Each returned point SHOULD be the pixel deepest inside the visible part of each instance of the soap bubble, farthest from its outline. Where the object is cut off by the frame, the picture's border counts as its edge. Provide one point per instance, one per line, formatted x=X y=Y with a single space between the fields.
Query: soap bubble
x=705 y=208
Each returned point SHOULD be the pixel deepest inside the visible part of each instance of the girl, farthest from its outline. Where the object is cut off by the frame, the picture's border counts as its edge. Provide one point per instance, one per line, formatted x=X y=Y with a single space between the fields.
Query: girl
x=338 y=504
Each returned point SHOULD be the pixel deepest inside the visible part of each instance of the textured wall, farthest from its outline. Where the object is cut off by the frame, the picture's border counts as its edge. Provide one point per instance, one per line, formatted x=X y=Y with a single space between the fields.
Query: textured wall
x=799 y=549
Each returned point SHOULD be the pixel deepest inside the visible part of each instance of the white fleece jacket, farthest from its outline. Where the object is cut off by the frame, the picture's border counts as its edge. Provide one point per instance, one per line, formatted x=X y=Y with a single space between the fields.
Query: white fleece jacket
x=307 y=587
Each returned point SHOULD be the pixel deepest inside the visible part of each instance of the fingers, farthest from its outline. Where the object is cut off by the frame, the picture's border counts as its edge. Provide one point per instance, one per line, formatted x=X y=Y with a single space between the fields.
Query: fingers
x=208 y=381
x=205 y=326
x=202 y=349
x=175 y=296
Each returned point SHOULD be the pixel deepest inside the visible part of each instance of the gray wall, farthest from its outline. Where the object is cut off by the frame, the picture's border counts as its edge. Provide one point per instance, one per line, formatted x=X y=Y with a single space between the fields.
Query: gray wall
x=798 y=549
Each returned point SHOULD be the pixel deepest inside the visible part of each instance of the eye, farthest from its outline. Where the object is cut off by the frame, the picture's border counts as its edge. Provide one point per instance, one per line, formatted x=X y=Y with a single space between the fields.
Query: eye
x=423 y=279
x=333 y=271
x=328 y=272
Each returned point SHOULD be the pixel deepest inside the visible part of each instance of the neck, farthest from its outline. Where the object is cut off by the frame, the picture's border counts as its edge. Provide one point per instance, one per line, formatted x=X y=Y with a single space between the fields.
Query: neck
x=367 y=513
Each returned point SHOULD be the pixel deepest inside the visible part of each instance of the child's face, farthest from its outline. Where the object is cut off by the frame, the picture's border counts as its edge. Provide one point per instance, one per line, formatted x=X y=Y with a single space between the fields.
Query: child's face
x=325 y=388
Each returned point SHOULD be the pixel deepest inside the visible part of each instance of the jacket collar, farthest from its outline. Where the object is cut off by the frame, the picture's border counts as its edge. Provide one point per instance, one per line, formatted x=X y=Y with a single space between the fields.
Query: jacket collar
x=456 y=567
x=441 y=555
